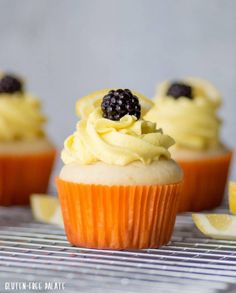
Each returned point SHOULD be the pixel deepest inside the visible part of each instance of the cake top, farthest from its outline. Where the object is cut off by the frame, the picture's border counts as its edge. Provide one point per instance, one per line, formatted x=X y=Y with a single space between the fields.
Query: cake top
x=88 y=103
x=115 y=133
x=194 y=89
x=187 y=110
x=20 y=112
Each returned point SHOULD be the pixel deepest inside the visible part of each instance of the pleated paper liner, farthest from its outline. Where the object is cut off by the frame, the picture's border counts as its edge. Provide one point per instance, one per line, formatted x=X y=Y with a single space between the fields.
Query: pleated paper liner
x=21 y=175
x=204 y=183
x=118 y=217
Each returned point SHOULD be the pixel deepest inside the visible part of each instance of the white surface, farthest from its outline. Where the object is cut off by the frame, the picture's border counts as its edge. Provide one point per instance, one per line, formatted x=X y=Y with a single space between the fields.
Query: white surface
x=67 y=48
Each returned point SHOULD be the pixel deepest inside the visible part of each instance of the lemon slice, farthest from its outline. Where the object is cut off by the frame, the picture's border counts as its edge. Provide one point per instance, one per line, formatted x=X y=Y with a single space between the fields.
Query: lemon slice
x=217 y=226
x=46 y=208
x=232 y=197
x=86 y=104
x=204 y=88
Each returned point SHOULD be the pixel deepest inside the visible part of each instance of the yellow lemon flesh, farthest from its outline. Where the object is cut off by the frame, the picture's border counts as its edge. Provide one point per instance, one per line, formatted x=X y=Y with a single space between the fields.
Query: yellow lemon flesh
x=217 y=226
x=86 y=104
x=232 y=197
x=46 y=208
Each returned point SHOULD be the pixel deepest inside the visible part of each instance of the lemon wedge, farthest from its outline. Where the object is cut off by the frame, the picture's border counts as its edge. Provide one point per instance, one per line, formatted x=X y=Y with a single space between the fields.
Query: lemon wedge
x=232 y=197
x=204 y=88
x=86 y=104
x=217 y=226
x=46 y=208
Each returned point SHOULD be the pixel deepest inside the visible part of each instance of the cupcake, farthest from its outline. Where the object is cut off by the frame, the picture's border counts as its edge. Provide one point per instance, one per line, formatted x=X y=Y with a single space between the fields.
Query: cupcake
x=119 y=187
x=187 y=110
x=26 y=154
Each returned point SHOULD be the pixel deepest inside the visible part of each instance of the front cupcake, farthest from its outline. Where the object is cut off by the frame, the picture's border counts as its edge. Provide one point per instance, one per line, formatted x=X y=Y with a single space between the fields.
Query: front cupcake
x=187 y=110
x=26 y=154
x=119 y=188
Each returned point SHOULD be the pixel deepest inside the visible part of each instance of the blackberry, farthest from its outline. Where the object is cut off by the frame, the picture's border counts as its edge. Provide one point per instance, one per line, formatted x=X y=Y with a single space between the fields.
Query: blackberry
x=118 y=103
x=179 y=89
x=10 y=84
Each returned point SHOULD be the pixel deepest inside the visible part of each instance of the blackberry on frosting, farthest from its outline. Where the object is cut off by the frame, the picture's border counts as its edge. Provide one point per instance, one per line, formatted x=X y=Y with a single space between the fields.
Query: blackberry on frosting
x=10 y=84
x=179 y=89
x=118 y=103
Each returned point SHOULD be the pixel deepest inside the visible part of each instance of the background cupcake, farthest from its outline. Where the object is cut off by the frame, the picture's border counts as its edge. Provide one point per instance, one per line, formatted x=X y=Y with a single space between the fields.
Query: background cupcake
x=26 y=154
x=187 y=110
x=119 y=187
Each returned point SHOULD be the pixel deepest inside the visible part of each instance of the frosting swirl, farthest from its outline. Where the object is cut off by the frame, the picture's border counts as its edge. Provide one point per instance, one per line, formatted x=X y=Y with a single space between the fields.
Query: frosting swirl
x=20 y=117
x=193 y=123
x=115 y=142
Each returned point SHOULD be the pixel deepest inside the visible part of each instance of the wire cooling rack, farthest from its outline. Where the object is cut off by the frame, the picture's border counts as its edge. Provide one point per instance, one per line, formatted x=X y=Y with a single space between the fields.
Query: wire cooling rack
x=35 y=252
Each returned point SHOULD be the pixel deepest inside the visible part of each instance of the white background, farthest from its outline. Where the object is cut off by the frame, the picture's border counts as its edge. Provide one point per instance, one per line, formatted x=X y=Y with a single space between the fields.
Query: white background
x=67 y=48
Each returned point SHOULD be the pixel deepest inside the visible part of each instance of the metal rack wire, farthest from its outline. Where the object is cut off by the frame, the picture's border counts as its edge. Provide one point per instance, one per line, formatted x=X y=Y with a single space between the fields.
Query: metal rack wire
x=35 y=252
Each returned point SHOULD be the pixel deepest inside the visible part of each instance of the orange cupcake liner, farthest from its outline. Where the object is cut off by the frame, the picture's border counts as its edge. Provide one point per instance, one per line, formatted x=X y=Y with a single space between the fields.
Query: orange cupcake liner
x=118 y=217
x=204 y=183
x=21 y=175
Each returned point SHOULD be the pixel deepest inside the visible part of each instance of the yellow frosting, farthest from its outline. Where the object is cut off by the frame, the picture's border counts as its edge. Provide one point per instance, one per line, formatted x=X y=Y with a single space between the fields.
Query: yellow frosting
x=193 y=123
x=20 y=117
x=115 y=142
